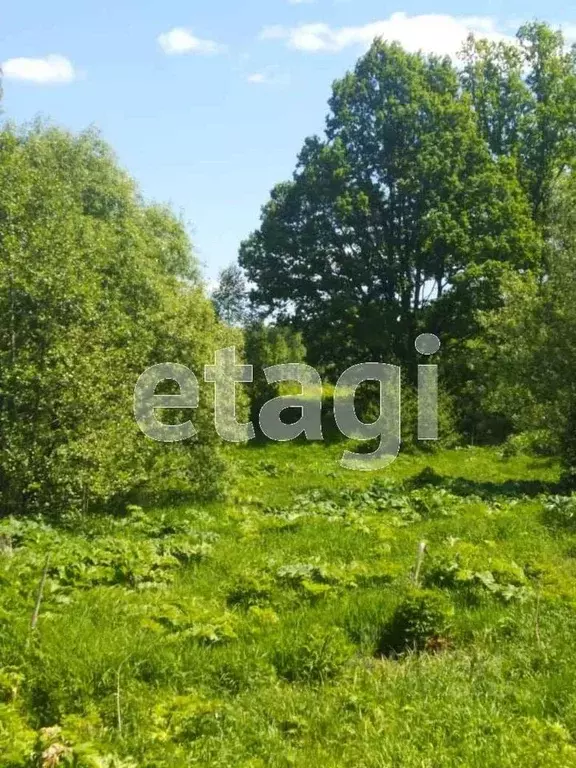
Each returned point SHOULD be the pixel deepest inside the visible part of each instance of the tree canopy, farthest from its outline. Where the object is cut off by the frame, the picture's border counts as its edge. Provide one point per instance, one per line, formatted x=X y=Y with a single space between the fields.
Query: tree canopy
x=400 y=201
x=230 y=297
x=524 y=97
x=95 y=286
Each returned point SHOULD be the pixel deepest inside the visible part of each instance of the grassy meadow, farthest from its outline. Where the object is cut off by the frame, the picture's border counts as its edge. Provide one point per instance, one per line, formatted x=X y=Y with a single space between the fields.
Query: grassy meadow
x=296 y=624
x=171 y=596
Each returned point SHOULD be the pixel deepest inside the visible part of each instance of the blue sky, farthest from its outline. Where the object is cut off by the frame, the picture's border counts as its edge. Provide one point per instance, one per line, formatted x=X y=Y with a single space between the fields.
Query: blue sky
x=207 y=104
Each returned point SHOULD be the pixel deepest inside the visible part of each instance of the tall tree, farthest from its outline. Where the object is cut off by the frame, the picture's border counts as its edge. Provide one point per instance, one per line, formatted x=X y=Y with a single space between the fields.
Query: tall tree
x=95 y=287
x=230 y=298
x=386 y=212
x=524 y=95
x=526 y=353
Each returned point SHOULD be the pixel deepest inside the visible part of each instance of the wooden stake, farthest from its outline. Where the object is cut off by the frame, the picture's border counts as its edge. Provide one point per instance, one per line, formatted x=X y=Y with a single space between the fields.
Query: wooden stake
x=422 y=548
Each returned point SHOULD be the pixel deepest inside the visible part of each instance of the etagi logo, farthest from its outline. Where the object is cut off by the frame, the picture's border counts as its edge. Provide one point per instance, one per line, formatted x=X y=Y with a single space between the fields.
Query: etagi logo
x=226 y=373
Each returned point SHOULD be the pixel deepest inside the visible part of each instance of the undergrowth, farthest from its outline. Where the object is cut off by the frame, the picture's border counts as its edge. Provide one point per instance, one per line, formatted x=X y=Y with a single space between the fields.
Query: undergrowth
x=423 y=616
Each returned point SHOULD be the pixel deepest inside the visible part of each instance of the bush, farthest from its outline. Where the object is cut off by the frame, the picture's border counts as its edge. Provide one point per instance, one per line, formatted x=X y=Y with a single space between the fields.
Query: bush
x=265 y=346
x=367 y=409
x=95 y=287
x=538 y=442
x=418 y=621
x=447 y=432
x=560 y=512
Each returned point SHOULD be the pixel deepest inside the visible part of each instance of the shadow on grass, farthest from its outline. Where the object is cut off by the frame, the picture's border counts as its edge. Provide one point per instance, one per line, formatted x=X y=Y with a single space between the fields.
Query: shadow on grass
x=485 y=489
x=511 y=488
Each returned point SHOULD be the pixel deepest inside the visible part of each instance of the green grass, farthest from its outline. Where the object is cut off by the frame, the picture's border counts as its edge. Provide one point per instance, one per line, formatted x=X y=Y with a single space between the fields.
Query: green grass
x=284 y=628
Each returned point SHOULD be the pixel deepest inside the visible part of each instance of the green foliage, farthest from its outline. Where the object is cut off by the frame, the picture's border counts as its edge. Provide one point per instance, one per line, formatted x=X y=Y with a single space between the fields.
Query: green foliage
x=399 y=202
x=230 y=298
x=235 y=633
x=315 y=655
x=243 y=631
x=265 y=346
x=421 y=618
x=434 y=191
x=524 y=98
x=560 y=512
x=95 y=287
x=250 y=590
x=537 y=442
x=447 y=422
x=525 y=353
x=505 y=581
x=17 y=739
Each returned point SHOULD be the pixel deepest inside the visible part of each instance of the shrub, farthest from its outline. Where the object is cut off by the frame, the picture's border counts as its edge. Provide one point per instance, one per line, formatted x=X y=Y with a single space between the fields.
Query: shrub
x=368 y=410
x=95 y=287
x=266 y=346
x=421 y=618
x=538 y=442
x=250 y=589
x=447 y=431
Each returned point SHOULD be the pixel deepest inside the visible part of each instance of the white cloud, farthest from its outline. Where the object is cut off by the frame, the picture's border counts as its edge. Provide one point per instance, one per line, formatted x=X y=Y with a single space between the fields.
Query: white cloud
x=50 y=69
x=181 y=40
x=269 y=76
x=432 y=33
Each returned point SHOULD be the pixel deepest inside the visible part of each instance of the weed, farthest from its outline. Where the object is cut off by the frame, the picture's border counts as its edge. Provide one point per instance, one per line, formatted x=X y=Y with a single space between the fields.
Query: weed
x=420 y=621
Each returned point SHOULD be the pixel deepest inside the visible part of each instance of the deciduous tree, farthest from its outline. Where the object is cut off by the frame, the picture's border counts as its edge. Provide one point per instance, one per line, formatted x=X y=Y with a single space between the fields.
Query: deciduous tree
x=399 y=200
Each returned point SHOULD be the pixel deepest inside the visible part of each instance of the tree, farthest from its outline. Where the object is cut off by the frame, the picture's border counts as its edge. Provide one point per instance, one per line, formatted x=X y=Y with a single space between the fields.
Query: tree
x=524 y=96
x=399 y=201
x=524 y=100
x=526 y=352
x=231 y=296
x=95 y=287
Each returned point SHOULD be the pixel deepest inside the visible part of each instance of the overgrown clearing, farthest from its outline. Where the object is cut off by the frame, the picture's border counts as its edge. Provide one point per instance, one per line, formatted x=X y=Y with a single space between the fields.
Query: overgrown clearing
x=263 y=606
x=283 y=627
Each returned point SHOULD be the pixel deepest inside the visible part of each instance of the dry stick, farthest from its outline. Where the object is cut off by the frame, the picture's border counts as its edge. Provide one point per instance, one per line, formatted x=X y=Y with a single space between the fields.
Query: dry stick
x=118 y=705
x=537 y=621
x=419 y=561
x=36 y=613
